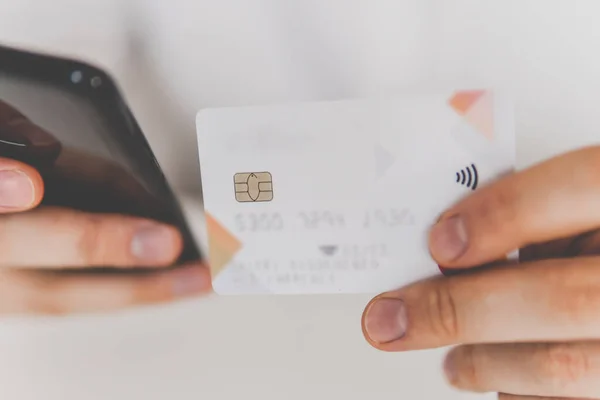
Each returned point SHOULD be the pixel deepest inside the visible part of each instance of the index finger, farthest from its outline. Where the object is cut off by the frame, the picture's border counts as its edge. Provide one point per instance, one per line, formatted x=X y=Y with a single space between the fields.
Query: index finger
x=551 y=200
x=544 y=301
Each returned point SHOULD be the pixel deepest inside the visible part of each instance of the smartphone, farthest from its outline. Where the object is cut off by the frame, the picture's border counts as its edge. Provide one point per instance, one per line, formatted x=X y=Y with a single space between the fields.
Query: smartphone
x=69 y=120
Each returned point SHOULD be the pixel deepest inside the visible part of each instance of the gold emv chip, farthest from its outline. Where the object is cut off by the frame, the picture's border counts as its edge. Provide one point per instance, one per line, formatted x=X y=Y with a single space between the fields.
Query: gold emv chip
x=253 y=187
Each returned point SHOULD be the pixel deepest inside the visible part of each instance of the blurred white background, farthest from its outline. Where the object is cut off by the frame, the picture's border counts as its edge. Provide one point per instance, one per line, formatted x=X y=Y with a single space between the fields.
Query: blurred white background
x=173 y=58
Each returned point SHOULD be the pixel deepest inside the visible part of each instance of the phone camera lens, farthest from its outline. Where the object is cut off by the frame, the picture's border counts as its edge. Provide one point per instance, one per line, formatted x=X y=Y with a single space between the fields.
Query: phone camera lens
x=76 y=76
x=96 y=82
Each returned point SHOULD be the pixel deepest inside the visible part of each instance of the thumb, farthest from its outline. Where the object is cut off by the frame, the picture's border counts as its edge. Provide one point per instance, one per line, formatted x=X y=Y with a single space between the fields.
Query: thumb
x=21 y=186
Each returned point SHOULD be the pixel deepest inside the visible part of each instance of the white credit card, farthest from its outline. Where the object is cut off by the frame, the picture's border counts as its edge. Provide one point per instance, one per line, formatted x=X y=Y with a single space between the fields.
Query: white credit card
x=338 y=197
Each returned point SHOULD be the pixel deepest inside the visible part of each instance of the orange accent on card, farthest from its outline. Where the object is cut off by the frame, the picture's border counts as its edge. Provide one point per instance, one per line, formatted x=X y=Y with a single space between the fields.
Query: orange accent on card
x=477 y=108
x=222 y=245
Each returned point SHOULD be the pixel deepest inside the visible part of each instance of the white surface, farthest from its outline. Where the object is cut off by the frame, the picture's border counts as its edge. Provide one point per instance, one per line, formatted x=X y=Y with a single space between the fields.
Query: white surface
x=188 y=55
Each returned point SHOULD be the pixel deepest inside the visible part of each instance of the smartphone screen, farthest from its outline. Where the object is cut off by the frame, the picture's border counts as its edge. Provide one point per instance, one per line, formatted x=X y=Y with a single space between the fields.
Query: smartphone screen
x=69 y=120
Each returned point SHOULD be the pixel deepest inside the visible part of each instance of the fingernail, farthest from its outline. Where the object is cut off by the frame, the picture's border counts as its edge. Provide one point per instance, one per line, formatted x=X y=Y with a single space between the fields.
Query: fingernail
x=154 y=243
x=450 y=367
x=386 y=320
x=16 y=189
x=190 y=281
x=448 y=239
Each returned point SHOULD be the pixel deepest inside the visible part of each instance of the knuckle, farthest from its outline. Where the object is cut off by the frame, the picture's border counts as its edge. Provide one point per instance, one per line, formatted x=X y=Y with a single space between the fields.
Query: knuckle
x=91 y=245
x=562 y=365
x=497 y=210
x=469 y=362
x=579 y=299
x=580 y=306
x=442 y=312
x=154 y=288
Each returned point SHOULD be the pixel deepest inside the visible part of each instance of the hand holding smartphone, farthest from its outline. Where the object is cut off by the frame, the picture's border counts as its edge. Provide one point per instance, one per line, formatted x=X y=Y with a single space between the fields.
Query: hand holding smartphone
x=97 y=216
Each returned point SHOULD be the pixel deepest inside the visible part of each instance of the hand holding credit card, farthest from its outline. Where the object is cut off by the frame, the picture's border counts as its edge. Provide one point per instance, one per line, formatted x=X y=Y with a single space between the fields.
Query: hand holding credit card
x=338 y=197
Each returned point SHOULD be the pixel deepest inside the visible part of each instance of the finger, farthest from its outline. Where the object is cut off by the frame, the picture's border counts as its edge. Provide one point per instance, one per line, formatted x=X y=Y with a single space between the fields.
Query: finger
x=552 y=370
x=62 y=238
x=550 y=300
x=552 y=200
x=21 y=186
x=28 y=292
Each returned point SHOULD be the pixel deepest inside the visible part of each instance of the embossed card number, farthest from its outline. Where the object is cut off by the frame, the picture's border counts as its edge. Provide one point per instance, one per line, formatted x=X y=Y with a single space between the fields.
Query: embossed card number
x=317 y=220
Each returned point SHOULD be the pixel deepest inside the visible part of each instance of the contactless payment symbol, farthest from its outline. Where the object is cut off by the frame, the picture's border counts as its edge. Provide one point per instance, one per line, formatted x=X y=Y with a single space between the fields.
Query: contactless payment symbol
x=253 y=187
x=468 y=177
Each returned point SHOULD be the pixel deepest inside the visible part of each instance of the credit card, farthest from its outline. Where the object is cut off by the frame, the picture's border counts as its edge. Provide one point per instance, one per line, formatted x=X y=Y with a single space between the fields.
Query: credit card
x=339 y=196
